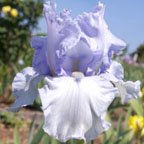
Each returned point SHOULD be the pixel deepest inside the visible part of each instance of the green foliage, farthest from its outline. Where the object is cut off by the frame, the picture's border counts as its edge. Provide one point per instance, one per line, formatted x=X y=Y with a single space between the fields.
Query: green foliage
x=15 y=30
x=10 y=119
x=140 y=52
x=16 y=136
x=17 y=20
x=133 y=72
x=137 y=106
x=38 y=136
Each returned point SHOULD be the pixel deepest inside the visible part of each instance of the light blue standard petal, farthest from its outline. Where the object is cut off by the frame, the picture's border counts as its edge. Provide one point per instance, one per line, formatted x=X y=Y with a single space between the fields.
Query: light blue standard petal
x=94 y=65
x=75 y=107
x=24 y=88
x=81 y=58
x=97 y=35
x=40 y=63
x=53 y=28
x=71 y=36
x=55 y=24
x=117 y=70
x=68 y=44
x=91 y=33
x=113 y=45
x=85 y=40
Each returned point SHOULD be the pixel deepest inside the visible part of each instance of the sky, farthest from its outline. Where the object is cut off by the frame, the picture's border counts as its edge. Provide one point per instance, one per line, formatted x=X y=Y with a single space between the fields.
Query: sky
x=125 y=18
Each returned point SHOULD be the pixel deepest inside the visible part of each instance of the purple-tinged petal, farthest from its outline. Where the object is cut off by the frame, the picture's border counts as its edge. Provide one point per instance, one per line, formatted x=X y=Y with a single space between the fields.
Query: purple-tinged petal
x=68 y=43
x=117 y=70
x=96 y=33
x=63 y=34
x=54 y=38
x=39 y=59
x=68 y=38
x=113 y=45
x=126 y=90
x=71 y=33
x=95 y=64
x=77 y=58
x=24 y=88
x=81 y=58
x=74 y=107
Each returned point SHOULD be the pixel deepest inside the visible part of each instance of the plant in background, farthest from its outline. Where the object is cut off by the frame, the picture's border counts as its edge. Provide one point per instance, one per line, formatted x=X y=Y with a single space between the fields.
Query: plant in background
x=10 y=120
x=16 y=22
x=136 y=124
x=14 y=12
x=140 y=53
x=6 y=9
x=17 y=19
x=81 y=79
x=142 y=93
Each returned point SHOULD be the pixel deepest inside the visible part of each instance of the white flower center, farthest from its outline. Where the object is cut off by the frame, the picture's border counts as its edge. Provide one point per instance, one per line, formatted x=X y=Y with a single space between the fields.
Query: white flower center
x=77 y=75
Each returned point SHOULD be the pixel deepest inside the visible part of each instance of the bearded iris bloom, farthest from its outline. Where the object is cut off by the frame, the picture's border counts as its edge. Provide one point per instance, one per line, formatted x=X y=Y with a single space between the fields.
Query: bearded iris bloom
x=81 y=79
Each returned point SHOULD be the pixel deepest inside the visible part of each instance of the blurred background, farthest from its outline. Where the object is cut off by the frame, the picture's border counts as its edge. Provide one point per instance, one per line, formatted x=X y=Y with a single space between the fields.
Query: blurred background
x=19 y=20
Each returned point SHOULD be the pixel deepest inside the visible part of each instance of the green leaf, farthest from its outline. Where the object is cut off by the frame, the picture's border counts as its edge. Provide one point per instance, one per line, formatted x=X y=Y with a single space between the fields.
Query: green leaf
x=32 y=129
x=54 y=141
x=16 y=136
x=38 y=136
x=46 y=139
x=108 y=141
x=123 y=138
x=137 y=106
x=119 y=124
x=127 y=117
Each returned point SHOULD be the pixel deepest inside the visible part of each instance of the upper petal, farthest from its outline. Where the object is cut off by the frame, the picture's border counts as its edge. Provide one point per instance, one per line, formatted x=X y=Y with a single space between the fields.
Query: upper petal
x=69 y=39
x=40 y=63
x=117 y=70
x=66 y=45
x=54 y=38
x=71 y=36
x=75 y=108
x=98 y=36
x=24 y=88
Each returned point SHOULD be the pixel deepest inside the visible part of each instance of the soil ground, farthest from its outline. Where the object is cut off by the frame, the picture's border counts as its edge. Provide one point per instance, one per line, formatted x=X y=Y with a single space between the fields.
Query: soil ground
x=27 y=115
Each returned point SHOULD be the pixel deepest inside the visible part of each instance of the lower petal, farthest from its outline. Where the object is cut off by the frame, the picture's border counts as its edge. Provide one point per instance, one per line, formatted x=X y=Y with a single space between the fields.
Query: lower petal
x=24 y=88
x=126 y=90
x=75 y=108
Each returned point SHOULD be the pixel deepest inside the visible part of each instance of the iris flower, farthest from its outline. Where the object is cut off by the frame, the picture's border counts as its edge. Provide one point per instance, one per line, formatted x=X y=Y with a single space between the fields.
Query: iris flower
x=81 y=79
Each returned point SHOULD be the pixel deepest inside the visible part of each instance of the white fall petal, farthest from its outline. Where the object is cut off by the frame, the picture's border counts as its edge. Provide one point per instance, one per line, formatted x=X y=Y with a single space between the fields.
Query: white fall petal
x=126 y=90
x=75 y=108
x=24 y=88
